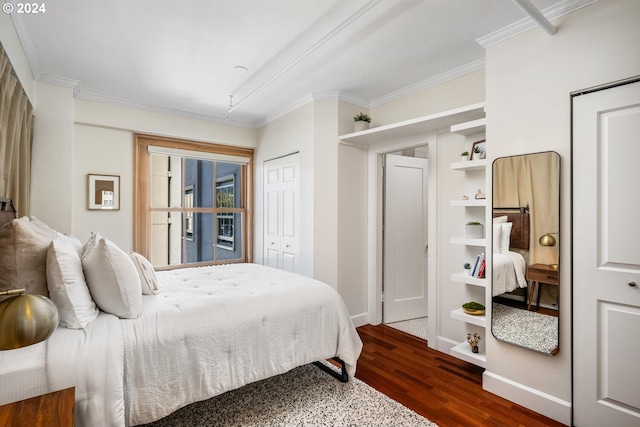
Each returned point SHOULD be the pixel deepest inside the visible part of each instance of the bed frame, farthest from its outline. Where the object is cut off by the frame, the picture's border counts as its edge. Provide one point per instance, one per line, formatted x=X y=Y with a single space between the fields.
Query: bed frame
x=519 y=217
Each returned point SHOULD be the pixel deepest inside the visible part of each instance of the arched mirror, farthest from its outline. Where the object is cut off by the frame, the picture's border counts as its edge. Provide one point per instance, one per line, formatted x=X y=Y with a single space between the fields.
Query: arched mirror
x=525 y=275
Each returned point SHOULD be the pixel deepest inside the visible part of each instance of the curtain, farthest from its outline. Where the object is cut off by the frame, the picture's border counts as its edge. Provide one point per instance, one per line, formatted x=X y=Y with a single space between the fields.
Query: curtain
x=16 y=133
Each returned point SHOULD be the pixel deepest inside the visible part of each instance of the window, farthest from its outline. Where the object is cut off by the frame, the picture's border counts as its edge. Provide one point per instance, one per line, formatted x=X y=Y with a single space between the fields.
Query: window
x=192 y=202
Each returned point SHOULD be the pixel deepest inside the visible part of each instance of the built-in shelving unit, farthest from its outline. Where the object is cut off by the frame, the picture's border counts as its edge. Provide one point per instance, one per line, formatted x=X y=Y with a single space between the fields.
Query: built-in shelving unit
x=413 y=127
x=475 y=209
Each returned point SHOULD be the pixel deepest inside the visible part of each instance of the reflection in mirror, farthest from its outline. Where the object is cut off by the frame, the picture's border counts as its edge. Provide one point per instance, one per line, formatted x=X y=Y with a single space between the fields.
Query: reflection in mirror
x=525 y=273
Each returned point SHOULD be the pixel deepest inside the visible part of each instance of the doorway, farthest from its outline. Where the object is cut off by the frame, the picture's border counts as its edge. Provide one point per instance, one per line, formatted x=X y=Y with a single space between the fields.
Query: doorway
x=405 y=241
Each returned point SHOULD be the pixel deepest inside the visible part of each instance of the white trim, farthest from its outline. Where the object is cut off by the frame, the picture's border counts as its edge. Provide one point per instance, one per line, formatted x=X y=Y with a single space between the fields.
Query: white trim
x=465 y=69
x=525 y=24
x=200 y=155
x=536 y=400
x=360 y=319
x=27 y=44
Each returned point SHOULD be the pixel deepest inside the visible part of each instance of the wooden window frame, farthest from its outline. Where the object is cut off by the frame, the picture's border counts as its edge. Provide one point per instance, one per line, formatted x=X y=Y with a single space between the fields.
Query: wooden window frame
x=142 y=195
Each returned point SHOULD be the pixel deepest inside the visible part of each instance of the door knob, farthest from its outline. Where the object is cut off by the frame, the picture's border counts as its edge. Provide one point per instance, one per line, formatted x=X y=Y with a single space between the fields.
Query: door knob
x=632 y=284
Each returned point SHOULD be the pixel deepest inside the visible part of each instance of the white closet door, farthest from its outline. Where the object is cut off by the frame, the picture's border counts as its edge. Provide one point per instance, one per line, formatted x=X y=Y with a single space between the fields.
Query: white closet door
x=282 y=213
x=606 y=257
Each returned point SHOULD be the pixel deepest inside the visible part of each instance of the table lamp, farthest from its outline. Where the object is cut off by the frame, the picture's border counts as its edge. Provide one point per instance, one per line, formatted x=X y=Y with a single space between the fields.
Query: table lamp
x=25 y=319
x=548 y=240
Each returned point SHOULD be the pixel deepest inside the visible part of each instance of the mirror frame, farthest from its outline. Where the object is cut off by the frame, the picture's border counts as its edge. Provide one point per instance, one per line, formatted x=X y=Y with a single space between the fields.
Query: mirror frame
x=533 y=240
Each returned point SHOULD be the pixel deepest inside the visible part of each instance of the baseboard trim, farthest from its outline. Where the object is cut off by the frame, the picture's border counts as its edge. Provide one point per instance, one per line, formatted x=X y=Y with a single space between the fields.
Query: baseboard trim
x=543 y=403
x=360 y=320
x=445 y=345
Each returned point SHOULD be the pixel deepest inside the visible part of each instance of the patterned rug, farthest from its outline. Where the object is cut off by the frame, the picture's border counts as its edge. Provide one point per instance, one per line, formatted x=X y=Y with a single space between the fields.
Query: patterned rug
x=529 y=329
x=305 y=396
x=415 y=327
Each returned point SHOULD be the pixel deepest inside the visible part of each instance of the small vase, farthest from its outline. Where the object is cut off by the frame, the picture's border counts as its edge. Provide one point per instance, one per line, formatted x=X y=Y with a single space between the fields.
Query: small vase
x=464 y=158
x=361 y=125
x=474 y=231
x=474 y=349
x=467 y=272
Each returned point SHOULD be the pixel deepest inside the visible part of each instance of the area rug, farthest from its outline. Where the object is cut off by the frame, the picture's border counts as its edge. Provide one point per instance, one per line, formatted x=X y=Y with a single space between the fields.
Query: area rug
x=415 y=327
x=305 y=396
x=526 y=328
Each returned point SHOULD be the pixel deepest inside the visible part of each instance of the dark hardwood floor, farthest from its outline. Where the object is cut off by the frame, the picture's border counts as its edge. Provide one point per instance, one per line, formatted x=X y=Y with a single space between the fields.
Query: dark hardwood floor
x=442 y=388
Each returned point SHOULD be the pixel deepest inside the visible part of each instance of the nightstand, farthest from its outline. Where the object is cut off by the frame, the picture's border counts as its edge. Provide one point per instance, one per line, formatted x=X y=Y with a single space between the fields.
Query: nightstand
x=49 y=410
x=541 y=274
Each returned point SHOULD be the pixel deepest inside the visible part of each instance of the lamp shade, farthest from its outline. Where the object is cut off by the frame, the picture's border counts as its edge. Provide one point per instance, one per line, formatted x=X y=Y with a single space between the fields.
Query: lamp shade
x=25 y=320
x=547 y=240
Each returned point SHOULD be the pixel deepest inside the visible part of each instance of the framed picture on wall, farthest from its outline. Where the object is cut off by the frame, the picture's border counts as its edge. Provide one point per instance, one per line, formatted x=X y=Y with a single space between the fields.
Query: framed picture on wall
x=104 y=192
x=478 y=150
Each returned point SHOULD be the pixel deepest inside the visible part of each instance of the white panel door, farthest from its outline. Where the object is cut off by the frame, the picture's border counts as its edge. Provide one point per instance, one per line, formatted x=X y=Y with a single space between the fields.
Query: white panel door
x=405 y=238
x=606 y=257
x=282 y=213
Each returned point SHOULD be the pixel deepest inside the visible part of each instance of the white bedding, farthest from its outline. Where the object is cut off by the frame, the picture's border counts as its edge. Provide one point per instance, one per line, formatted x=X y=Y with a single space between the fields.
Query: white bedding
x=209 y=330
x=508 y=272
x=245 y=322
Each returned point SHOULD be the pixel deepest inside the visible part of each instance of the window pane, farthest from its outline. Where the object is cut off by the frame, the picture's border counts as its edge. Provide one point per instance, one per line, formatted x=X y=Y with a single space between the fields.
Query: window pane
x=229 y=241
x=198 y=245
x=228 y=184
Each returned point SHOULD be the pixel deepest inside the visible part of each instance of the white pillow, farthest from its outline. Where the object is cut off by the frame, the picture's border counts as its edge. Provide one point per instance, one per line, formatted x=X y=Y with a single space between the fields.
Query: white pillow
x=67 y=287
x=500 y=219
x=505 y=237
x=497 y=233
x=91 y=243
x=112 y=278
x=147 y=274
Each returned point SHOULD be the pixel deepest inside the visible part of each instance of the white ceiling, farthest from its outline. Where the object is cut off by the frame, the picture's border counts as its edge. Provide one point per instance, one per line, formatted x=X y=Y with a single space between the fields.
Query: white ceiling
x=179 y=56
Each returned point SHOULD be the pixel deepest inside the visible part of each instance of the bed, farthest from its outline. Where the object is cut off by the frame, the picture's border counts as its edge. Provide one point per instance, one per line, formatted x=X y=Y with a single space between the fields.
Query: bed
x=205 y=331
x=510 y=231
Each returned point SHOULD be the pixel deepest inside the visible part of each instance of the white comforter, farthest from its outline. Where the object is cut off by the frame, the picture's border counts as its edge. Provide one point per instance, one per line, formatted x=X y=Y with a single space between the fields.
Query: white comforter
x=209 y=330
x=508 y=272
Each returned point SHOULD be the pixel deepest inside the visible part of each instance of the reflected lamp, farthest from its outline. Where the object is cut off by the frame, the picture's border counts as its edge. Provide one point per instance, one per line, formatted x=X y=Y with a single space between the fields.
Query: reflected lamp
x=25 y=319
x=548 y=240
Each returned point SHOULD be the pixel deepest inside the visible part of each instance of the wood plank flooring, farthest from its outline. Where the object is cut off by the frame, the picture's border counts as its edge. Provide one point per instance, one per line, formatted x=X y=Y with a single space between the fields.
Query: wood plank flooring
x=442 y=388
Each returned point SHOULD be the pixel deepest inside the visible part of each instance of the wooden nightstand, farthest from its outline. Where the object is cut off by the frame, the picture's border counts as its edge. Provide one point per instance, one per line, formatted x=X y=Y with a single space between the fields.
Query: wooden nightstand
x=49 y=410
x=540 y=273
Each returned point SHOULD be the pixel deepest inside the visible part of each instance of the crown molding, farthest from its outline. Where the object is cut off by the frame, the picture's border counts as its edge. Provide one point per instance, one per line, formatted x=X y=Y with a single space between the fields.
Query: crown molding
x=87 y=96
x=27 y=45
x=314 y=96
x=525 y=24
x=431 y=82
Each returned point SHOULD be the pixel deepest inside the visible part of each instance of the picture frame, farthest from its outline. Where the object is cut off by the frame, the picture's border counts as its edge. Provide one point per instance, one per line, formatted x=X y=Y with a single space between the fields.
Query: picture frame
x=103 y=192
x=481 y=145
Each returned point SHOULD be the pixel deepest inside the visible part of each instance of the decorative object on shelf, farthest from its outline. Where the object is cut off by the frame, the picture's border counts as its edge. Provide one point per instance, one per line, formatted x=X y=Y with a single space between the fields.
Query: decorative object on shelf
x=473 y=341
x=474 y=230
x=480 y=195
x=464 y=156
x=25 y=319
x=467 y=269
x=478 y=150
x=104 y=192
x=473 y=308
x=362 y=121
x=465 y=197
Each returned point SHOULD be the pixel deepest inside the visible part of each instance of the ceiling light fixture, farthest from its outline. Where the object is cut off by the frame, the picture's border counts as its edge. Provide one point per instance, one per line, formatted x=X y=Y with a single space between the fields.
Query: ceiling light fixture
x=344 y=24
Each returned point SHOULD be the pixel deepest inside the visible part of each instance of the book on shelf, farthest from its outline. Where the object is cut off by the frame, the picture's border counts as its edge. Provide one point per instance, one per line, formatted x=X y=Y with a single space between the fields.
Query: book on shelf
x=476 y=267
x=481 y=270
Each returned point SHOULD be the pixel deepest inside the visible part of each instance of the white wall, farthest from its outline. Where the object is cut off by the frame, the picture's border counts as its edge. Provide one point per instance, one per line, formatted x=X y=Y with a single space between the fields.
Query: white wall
x=529 y=79
x=288 y=134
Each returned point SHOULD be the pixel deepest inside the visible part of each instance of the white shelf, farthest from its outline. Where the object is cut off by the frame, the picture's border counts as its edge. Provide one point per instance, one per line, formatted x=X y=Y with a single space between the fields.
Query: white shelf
x=463 y=351
x=470 y=128
x=469 y=203
x=468 y=242
x=469 y=280
x=469 y=165
x=478 y=320
x=412 y=127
